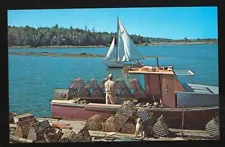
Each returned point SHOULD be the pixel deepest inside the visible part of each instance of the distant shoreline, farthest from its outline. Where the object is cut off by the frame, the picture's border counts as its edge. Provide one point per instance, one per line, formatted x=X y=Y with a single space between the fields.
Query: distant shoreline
x=104 y=46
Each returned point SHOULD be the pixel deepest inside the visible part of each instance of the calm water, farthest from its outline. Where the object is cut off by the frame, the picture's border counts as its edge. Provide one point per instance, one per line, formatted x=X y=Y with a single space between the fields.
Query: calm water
x=32 y=80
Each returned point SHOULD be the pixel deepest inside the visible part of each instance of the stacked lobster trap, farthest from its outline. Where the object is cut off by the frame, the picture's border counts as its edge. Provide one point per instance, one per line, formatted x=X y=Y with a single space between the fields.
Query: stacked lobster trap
x=138 y=90
x=123 y=121
x=213 y=128
x=94 y=123
x=79 y=89
x=38 y=129
x=83 y=136
x=160 y=128
x=68 y=136
x=23 y=128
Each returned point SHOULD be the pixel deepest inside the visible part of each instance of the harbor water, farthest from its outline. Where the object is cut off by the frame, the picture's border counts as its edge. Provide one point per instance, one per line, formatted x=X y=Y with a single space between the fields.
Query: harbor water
x=32 y=80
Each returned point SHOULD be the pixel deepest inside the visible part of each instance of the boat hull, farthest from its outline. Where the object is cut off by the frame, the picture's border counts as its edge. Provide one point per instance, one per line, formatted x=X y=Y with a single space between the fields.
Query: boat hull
x=194 y=118
x=71 y=112
x=120 y=65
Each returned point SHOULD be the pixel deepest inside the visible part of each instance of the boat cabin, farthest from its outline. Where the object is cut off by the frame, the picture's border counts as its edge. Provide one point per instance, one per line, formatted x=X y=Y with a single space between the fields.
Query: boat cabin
x=163 y=86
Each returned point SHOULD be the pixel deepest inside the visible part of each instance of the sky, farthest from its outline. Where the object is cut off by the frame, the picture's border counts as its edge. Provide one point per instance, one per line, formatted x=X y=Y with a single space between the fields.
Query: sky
x=164 y=22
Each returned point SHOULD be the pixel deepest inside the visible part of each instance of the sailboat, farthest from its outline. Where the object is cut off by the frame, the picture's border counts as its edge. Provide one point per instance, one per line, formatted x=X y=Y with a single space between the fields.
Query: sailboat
x=122 y=51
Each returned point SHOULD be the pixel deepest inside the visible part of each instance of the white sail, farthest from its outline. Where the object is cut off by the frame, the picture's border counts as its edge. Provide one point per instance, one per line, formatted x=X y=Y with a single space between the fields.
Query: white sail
x=120 y=49
x=130 y=51
x=110 y=55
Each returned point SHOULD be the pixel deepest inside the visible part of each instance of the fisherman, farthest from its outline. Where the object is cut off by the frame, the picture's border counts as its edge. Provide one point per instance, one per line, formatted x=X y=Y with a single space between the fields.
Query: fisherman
x=110 y=97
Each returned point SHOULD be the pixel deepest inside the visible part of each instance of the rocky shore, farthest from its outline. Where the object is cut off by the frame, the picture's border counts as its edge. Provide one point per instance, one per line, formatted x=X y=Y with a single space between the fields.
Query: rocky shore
x=50 y=54
x=106 y=46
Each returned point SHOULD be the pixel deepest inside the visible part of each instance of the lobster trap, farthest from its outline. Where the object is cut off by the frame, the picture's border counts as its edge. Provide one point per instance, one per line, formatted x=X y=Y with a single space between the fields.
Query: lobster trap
x=125 y=92
x=134 y=83
x=144 y=114
x=77 y=83
x=68 y=136
x=97 y=92
x=127 y=109
x=92 y=83
x=94 y=123
x=23 y=128
x=83 y=92
x=109 y=125
x=52 y=135
x=83 y=136
x=129 y=127
x=148 y=127
x=160 y=128
x=38 y=129
x=212 y=128
x=62 y=94
x=120 y=84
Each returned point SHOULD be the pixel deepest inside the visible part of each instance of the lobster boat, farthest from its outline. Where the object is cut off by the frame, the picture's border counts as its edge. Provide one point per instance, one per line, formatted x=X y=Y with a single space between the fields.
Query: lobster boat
x=189 y=106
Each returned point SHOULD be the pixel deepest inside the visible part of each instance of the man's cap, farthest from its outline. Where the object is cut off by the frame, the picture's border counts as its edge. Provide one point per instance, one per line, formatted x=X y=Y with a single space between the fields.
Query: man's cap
x=110 y=75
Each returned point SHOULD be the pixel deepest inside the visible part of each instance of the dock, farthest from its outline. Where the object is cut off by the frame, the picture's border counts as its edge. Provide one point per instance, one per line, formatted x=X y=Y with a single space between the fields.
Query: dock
x=77 y=125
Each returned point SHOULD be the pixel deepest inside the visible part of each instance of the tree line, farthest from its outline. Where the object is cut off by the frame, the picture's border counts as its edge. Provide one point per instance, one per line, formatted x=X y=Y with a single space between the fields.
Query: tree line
x=59 y=36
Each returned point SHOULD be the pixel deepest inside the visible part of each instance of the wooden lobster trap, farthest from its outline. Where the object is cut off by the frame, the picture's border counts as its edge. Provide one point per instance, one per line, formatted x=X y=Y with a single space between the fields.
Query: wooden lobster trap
x=128 y=127
x=114 y=123
x=22 y=117
x=62 y=94
x=52 y=135
x=109 y=125
x=148 y=127
x=83 y=92
x=68 y=136
x=37 y=130
x=127 y=109
x=143 y=113
x=82 y=136
x=94 y=123
x=23 y=128
x=212 y=128
x=120 y=120
x=125 y=93
x=92 y=84
x=97 y=92
x=160 y=128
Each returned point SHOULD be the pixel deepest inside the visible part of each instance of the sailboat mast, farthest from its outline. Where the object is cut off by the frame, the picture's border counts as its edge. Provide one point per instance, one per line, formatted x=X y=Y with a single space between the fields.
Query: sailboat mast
x=117 y=39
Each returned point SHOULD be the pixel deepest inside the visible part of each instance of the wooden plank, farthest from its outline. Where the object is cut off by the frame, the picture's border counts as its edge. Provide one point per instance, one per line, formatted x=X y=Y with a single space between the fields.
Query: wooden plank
x=12 y=125
x=21 y=117
x=188 y=131
x=19 y=139
x=194 y=135
x=49 y=119
x=102 y=107
x=105 y=105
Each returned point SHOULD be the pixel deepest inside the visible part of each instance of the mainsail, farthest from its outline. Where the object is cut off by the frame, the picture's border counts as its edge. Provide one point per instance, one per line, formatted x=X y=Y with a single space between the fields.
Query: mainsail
x=126 y=50
x=130 y=51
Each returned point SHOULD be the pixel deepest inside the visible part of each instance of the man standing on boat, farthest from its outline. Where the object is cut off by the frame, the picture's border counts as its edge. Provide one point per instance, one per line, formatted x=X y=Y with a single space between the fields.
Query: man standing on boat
x=110 y=97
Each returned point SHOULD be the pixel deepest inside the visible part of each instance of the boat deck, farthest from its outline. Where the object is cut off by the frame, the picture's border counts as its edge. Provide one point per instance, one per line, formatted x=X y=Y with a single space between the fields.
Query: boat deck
x=201 y=88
